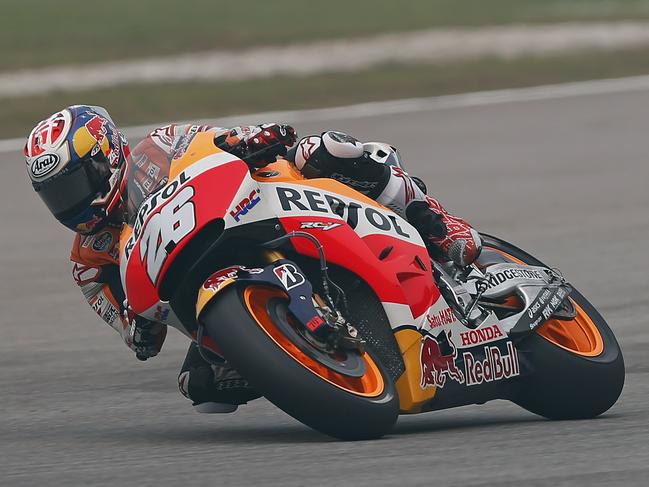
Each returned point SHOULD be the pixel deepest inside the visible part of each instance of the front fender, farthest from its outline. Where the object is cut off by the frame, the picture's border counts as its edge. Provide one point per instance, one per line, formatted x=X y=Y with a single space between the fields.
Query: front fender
x=282 y=274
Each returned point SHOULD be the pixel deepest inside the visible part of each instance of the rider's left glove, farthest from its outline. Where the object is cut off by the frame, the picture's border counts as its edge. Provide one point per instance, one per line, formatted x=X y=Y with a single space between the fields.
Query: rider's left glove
x=144 y=337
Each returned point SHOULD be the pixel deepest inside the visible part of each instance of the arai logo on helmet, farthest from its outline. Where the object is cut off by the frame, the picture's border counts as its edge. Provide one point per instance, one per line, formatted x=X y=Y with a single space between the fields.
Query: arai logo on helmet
x=44 y=164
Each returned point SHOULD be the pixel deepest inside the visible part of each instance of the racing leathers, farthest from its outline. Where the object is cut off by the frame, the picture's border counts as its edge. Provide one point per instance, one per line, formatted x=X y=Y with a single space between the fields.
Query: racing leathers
x=95 y=258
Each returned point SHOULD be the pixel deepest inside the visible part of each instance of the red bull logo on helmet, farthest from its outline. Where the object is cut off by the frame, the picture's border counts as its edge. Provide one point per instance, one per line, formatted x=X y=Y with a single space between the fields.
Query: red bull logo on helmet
x=97 y=128
x=437 y=366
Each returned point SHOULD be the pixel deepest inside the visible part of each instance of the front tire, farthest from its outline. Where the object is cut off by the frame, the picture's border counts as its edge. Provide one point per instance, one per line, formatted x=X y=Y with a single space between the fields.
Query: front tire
x=351 y=409
x=578 y=365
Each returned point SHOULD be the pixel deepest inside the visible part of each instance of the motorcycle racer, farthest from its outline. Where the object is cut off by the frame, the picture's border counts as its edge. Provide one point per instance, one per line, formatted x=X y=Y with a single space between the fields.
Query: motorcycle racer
x=79 y=164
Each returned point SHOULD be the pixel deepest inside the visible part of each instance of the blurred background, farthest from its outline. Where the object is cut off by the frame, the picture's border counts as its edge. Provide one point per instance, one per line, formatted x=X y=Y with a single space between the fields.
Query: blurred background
x=157 y=60
x=563 y=176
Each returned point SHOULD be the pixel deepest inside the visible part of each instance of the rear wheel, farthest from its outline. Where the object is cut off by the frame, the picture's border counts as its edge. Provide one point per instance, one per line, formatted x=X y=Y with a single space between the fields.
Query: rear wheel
x=578 y=365
x=256 y=335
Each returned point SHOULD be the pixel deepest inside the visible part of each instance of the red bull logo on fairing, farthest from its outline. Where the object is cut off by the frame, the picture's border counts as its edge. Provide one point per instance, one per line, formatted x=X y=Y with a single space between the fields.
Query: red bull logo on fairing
x=435 y=366
x=495 y=366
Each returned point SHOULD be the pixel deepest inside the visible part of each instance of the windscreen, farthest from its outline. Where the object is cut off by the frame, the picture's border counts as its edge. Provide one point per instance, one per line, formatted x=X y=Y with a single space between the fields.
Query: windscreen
x=147 y=171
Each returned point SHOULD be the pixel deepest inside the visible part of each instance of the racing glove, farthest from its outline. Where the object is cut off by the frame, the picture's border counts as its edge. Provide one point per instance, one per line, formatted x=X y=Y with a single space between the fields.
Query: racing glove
x=143 y=336
x=269 y=141
x=258 y=145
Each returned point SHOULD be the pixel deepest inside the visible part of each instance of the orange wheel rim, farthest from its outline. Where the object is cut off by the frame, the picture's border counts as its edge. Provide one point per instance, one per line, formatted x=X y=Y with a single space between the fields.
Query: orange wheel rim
x=578 y=335
x=371 y=384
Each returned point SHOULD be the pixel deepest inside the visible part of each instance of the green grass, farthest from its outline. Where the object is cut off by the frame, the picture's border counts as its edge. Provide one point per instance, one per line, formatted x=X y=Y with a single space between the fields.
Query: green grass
x=149 y=104
x=35 y=33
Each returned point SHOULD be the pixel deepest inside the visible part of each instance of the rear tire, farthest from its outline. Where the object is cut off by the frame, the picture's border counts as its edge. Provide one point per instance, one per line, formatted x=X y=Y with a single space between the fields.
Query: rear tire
x=567 y=384
x=289 y=384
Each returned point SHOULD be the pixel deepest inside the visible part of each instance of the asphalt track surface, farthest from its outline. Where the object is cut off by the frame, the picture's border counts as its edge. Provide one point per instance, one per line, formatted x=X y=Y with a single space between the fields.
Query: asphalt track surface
x=565 y=179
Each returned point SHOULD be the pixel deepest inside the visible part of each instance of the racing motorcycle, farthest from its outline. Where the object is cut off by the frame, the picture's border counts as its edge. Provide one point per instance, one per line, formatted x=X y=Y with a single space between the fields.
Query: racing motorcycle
x=330 y=306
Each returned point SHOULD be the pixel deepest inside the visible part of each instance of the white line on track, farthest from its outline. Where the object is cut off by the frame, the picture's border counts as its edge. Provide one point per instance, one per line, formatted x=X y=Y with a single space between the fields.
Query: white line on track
x=411 y=105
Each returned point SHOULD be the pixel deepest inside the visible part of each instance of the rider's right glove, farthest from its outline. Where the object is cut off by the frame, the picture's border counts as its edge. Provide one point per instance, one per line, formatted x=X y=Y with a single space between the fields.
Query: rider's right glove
x=144 y=337
x=258 y=145
x=268 y=141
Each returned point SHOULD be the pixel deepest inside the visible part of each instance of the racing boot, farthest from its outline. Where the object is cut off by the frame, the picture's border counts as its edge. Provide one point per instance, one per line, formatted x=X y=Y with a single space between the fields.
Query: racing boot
x=213 y=388
x=447 y=236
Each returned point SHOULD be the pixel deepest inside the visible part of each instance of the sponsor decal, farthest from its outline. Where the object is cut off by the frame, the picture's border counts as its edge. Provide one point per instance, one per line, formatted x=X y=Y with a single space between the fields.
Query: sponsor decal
x=289 y=276
x=294 y=199
x=314 y=323
x=86 y=240
x=217 y=280
x=354 y=183
x=495 y=366
x=308 y=146
x=407 y=183
x=540 y=301
x=268 y=174
x=111 y=314
x=163 y=137
x=96 y=126
x=324 y=226
x=161 y=313
x=481 y=335
x=95 y=150
x=441 y=318
x=153 y=171
x=105 y=309
x=114 y=154
x=44 y=164
x=437 y=359
x=545 y=305
x=102 y=242
x=157 y=198
x=86 y=227
x=139 y=160
x=245 y=205
x=513 y=273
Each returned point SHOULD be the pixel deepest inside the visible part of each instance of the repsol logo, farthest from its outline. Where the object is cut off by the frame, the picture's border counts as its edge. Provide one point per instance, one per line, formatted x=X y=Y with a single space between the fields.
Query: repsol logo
x=156 y=199
x=508 y=274
x=149 y=205
x=306 y=200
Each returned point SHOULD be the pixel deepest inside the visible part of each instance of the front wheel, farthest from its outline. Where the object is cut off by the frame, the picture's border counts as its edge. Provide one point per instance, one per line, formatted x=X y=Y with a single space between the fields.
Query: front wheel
x=249 y=323
x=578 y=369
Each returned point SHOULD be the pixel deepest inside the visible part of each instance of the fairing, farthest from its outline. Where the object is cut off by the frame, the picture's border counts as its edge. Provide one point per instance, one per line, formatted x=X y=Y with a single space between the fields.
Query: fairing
x=206 y=185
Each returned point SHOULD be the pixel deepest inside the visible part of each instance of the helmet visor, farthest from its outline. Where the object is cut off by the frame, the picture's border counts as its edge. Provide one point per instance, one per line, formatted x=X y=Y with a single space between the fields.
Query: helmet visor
x=70 y=191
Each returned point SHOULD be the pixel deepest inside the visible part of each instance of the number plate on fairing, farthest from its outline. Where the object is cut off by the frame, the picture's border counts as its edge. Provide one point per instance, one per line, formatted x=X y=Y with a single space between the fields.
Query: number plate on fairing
x=202 y=192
